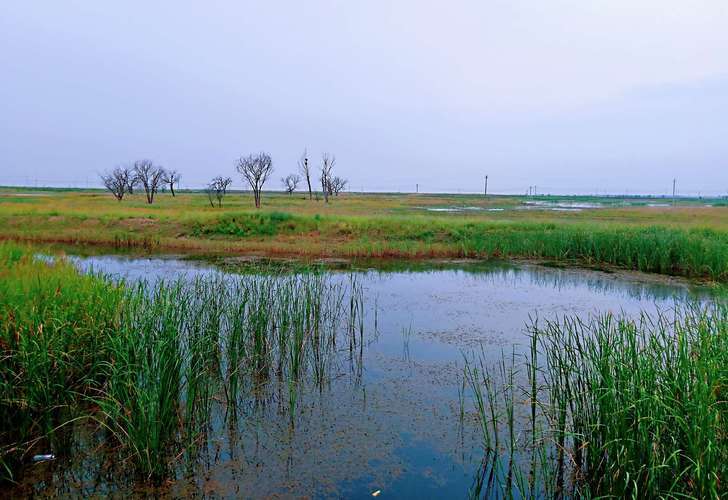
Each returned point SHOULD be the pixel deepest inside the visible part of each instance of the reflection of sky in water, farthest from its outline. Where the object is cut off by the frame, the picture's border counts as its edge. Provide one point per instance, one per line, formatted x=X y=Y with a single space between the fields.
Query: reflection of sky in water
x=451 y=310
x=397 y=428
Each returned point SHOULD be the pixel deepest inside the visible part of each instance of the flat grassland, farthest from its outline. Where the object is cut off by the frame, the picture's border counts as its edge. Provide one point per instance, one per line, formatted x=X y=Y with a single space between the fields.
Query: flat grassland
x=644 y=234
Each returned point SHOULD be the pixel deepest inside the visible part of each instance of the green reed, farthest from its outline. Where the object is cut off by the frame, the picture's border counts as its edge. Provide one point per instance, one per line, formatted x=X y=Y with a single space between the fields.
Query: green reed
x=53 y=328
x=151 y=362
x=616 y=406
x=139 y=401
x=219 y=335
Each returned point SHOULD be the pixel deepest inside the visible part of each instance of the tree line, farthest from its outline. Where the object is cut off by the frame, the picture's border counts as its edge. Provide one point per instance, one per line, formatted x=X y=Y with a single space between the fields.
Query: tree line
x=255 y=169
x=123 y=180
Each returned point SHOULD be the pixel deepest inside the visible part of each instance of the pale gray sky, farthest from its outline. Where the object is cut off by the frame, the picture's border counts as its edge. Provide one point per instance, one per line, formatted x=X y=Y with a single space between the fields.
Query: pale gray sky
x=569 y=95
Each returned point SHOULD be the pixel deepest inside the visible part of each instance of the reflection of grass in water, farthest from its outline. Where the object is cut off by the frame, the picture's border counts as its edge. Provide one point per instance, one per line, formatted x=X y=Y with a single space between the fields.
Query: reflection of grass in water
x=546 y=274
x=616 y=407
x=406 y=337
x=148 y=362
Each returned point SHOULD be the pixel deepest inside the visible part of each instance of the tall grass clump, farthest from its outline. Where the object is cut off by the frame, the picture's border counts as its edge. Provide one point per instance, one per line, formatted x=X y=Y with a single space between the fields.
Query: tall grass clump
x=183 y=348
x=255 y=224
x=615 y=407
x=664 y=250
x=54 y=326
x=139 y=401
x=150 y=363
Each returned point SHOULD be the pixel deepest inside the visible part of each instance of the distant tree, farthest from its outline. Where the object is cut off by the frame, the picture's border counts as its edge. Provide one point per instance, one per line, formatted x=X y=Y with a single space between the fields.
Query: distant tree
x=290 y=182
x=149 y=176
x=132 y=181
x=255 y=169
x=327 y=164
x=171 y=177
x=337 y=185
x=217 y=189
x=305 y=170
x=117 y=181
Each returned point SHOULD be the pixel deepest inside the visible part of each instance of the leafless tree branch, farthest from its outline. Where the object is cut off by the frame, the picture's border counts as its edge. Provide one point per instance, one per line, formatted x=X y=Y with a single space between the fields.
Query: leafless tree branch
x=149 y=176
x=290 y=182
x=337 y=185
x=171 y=177
x=117 y=181
x=305 y=170
x=327 y=164
x=217 y=189
x=255 y=169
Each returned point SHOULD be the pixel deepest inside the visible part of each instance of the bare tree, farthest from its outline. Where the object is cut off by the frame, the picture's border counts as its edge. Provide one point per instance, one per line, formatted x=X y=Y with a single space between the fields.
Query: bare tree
x=132 y=181
x=217 y=189
x=290 y=183
x=210 y=191
x=327 y=164
x=255 y=169
x=337 y=185
x=149 y=176
x=171 y=177
x=117 y=181
x=305 y=170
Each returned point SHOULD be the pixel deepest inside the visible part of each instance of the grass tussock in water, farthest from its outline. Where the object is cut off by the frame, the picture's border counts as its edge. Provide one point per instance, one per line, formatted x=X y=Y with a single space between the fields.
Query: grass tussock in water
x=614 y=407
x=146 y=363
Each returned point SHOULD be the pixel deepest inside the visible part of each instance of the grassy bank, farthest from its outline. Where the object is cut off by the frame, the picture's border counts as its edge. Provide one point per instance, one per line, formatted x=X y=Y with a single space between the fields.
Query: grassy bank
x=145 y=364
x=691 y=240
x=614 y=407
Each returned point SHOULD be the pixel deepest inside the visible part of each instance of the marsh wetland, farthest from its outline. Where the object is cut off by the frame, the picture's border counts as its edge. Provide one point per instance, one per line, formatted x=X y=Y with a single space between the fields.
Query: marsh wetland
x=196 y=377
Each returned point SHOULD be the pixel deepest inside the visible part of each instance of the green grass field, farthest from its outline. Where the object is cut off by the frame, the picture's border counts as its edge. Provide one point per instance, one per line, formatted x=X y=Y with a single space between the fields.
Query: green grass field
x=645 y=234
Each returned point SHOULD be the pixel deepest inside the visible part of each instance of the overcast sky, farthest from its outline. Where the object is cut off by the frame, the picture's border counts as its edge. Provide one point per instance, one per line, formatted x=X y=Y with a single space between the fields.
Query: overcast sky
x=569 y=95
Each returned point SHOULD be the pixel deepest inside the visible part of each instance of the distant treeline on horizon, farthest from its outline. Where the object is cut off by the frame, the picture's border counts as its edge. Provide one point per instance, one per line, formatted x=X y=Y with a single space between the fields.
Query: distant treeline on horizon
x=462 y=192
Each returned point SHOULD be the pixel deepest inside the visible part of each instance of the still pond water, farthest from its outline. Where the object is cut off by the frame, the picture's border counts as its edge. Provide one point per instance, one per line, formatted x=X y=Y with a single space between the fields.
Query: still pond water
x=392 y=429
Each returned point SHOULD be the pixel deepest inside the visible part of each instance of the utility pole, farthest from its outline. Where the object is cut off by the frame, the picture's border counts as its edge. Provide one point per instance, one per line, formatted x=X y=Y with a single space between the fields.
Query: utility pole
x=417 y=188
x=485 y=191
x=673 y=191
